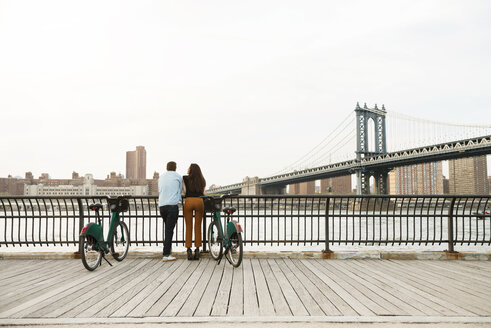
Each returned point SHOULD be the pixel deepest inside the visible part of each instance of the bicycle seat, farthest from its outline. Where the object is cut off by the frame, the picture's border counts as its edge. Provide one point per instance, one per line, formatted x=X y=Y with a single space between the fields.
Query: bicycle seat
x=95 y=207
x=229 y=210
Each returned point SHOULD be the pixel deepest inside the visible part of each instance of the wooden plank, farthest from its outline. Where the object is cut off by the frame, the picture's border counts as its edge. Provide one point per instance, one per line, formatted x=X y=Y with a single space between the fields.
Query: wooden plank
x=462 y=283
x=27 y=292
x=432 y=285
x=78 y=298
x=335 y=305
x=457 y=271
x=405 y=300
x=251 y=306
x=21 y=284
x=421 y=297
x=236 y=304
x=206 y=303
x=275 y=290
x=304 y=296
x=11 y=268
x=128 y=288
x=129 y=302
x=374 y=303
x=41 y=301
x=484 y=266
x=182 y=296
x=220 y=306
x=354 y=298
x=266 y=307
x=480 y=266
x=129 y=295
x=22 y=277
x=374 y=291
x=154 y=290
x=159 y=306
x=38 y=279
x=445 y=307
x=7 y=265
x=449 y=269
x=378 y=296
x=197 y=295
x=314 y=290
x=294 y=302
x=444 y=288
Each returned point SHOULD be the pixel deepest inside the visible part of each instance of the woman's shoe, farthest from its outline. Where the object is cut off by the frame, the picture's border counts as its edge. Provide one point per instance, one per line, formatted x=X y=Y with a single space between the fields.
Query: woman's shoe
x=196 y=254
x=190 y=254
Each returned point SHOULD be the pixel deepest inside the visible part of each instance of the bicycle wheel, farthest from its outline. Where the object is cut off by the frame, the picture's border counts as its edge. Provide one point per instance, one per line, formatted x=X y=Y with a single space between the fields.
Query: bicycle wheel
x=91 y=258
x=214 y=241
x=234 y=255
x=120 y=242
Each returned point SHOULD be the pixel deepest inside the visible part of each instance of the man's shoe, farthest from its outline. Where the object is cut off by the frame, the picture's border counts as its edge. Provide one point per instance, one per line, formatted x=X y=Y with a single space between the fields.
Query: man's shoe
x=168 y=258
x=190 y=254
x=196 y=254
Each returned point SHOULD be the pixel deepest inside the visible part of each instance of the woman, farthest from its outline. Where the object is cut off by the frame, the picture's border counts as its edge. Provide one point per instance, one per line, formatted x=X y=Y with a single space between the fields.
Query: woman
x=194 y=187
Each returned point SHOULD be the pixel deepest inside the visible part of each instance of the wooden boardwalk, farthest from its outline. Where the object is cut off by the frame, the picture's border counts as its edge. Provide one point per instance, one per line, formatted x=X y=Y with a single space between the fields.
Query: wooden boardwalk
x=139 y=288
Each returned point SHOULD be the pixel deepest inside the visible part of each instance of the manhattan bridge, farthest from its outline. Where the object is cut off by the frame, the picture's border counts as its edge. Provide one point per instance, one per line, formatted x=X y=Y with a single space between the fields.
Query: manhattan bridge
x=361 y=145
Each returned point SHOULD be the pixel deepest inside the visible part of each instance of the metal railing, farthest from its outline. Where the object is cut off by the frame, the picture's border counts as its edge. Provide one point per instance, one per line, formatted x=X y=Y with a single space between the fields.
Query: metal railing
x=269 y=221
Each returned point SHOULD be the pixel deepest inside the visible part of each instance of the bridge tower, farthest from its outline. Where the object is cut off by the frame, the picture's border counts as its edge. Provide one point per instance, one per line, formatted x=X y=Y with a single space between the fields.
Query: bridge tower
x=363 y=117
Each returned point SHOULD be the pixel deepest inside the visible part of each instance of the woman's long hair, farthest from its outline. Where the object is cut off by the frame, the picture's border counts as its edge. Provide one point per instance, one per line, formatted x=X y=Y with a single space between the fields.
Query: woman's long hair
x=196 y=181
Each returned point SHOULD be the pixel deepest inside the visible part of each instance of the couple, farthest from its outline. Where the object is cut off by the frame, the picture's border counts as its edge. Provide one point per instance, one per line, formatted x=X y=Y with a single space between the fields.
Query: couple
x=171 y=188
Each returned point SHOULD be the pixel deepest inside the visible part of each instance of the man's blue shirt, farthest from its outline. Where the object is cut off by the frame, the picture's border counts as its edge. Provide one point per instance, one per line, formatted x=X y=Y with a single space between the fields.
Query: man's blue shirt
x=170 y=188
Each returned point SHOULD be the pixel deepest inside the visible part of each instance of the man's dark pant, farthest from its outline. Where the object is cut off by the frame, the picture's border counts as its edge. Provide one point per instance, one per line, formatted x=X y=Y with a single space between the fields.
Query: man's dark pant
x=169 y=213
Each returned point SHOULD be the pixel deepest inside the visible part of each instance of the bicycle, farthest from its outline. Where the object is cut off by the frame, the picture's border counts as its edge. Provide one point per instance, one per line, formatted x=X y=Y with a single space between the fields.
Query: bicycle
x=218 y=239
x=92 y=245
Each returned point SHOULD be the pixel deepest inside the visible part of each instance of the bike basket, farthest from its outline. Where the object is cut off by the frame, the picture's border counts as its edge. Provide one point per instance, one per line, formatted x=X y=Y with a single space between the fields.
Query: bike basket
x=118 y=204
x=123 y=205
x=212 y=204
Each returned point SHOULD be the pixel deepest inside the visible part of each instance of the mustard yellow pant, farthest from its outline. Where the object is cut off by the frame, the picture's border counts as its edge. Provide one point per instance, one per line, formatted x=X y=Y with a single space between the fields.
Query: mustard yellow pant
x=193 y=206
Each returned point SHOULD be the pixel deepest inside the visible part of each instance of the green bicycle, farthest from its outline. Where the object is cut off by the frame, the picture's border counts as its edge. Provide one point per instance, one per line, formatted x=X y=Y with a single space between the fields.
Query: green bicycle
x=218 y=239
x=92 y=245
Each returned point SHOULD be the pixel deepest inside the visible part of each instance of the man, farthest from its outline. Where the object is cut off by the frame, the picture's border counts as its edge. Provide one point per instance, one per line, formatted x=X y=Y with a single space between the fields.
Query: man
x=170 y=189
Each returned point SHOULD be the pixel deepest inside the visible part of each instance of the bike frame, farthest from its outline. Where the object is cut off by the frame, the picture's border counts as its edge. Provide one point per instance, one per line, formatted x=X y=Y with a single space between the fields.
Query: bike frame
x=113 y=225
x=217 y=217
x=96 y=230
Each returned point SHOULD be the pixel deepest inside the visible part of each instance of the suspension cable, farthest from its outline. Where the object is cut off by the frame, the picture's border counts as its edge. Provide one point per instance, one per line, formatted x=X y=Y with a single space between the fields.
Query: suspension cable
x=416 y=119
x=328 y=152
x=317 y=146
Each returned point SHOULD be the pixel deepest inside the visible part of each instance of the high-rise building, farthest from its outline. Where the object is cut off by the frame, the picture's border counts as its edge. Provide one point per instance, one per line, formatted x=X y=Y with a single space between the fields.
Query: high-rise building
x=418 y=179
x=303 y=188
x=338 y=185
x=468 y=175
x=136 y=163
x=446 y=185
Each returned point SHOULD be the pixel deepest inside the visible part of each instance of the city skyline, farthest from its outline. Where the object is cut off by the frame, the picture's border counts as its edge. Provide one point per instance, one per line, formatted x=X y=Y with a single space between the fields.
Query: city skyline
x=81 y=83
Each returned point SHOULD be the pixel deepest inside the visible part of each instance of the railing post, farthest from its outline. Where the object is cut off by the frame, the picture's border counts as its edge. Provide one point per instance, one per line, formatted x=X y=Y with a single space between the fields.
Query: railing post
x=326 y=246
x=450 y=227
x=204 y=232
x=81 y=220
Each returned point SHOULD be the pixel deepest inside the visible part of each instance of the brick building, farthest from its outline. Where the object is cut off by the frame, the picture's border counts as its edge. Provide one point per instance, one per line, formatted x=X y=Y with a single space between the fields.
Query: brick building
x=468 y=176
x=419 y=179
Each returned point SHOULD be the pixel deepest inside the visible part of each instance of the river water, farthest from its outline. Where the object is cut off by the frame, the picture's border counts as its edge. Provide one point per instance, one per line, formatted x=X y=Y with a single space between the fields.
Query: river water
x=296 y=231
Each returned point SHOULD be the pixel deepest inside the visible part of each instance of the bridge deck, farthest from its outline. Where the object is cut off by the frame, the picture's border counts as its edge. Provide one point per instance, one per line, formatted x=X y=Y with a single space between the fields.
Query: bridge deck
x=260 y=287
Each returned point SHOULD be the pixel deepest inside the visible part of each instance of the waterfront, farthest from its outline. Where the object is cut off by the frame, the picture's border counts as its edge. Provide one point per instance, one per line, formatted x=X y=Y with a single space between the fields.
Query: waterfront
x=291 y=230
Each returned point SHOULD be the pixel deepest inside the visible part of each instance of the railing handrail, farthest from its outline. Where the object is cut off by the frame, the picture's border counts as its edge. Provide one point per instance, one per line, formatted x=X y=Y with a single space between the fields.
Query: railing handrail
x=269 y=219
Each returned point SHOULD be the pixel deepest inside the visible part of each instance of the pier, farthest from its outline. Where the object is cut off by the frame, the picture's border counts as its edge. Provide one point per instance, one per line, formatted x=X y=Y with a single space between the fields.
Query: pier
x=261 y=290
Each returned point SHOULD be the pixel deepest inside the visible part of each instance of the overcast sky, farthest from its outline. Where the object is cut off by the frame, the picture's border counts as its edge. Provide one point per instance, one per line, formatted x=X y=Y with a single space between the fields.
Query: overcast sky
x=241 y=88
